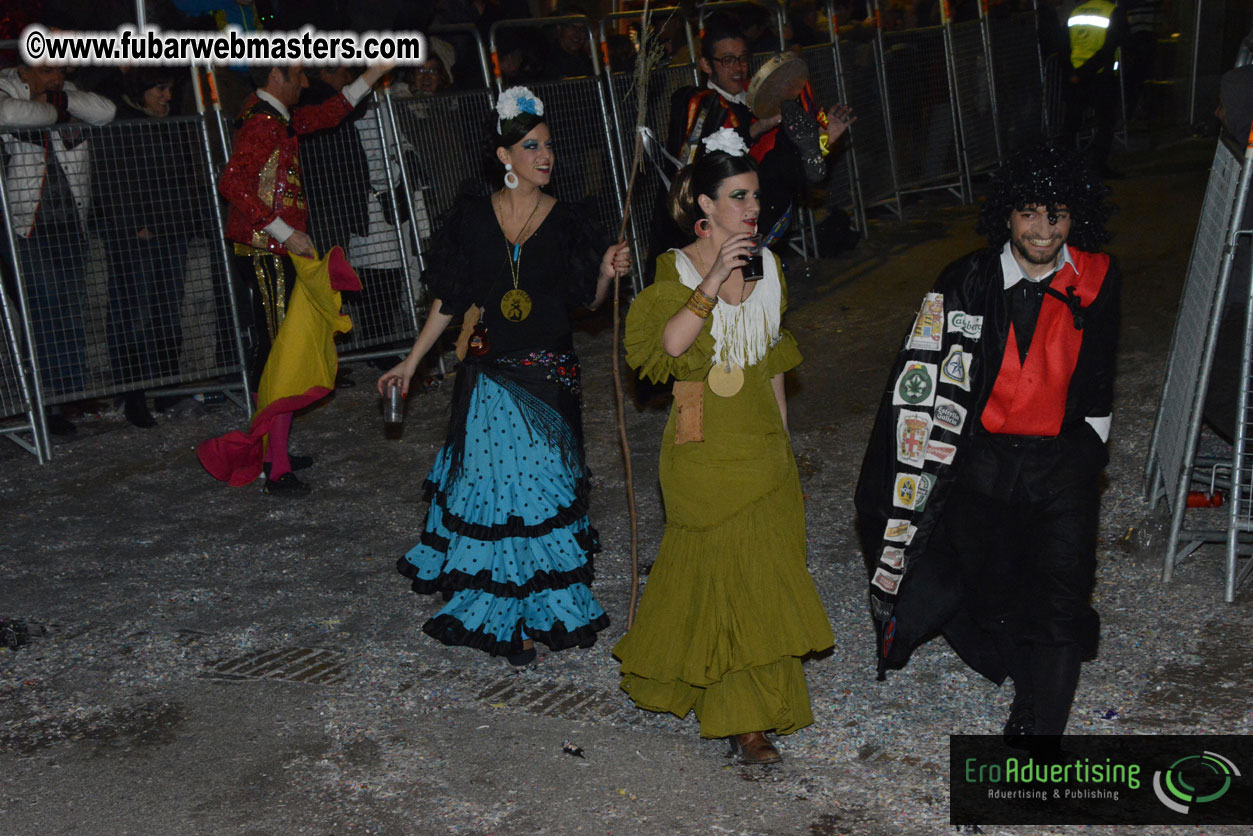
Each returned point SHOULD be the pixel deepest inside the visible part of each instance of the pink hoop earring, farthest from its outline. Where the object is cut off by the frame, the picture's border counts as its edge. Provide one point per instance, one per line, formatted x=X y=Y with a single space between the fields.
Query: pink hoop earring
x=703 y=228
x=511 y=179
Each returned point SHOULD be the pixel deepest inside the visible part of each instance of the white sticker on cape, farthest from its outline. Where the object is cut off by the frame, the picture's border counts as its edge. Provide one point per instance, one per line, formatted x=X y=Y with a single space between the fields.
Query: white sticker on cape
x=922 y=492
x=965 y=324
x=929 y=324
x=939 y=452
x=906 y=488
x=956 y=368
x=893 y=557
x=915 y=386
x=949 y=415
x=886 y=581
x=899 y=531
x=912 y=431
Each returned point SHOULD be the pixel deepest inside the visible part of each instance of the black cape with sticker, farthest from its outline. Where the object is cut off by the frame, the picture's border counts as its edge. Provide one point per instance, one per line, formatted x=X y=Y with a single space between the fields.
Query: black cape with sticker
x=927 y=600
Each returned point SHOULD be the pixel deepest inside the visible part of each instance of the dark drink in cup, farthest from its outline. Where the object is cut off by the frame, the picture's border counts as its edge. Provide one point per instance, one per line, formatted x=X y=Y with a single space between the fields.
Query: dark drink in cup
x=754 y=268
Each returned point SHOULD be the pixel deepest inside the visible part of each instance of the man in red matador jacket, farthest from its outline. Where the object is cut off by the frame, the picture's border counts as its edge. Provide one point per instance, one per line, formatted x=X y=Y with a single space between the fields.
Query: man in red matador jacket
x=979 y=493
x=268 y=216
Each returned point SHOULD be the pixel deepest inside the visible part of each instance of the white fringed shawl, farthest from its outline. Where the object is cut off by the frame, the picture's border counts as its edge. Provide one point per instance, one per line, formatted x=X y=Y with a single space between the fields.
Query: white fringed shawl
x=742 y=333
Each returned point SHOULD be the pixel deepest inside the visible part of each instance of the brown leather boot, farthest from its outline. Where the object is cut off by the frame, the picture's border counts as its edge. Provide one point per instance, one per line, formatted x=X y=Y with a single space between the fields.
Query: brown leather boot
x=754 y=748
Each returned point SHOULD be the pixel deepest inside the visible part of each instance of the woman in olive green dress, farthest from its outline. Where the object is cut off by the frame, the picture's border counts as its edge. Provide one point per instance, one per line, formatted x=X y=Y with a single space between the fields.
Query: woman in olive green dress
x=730 y=607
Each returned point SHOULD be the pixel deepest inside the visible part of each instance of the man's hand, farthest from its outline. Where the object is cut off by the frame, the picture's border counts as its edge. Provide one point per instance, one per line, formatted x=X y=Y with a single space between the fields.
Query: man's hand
x=376 y=71
x=300 y=244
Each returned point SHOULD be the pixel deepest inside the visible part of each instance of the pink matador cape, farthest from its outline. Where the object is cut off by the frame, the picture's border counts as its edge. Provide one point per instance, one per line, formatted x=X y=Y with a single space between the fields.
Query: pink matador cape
x=300 y=370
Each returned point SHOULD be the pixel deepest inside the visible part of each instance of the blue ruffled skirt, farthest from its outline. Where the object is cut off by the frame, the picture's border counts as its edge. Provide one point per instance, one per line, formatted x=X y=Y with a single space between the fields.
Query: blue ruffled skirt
x=507 y=539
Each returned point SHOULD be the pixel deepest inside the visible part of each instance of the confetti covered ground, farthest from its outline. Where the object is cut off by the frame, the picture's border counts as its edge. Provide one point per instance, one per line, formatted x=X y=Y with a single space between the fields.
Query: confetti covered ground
x=212 y=660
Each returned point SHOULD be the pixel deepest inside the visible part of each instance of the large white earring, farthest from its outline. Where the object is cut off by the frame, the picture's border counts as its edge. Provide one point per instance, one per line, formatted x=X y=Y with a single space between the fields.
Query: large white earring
x=511 y=179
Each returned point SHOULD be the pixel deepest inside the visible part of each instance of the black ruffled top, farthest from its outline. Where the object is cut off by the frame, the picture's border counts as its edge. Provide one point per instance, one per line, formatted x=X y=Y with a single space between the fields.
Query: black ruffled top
x=469 y=264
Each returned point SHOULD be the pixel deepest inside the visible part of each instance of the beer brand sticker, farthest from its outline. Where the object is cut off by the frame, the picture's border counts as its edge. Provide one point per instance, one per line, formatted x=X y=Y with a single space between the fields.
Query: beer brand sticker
x=886 y=581
x=912 y=431
x=915 y=386
x=922 y=490
x=899 y=531
x=949 y=415
x=929 y=324
x=893 y=557
x=965 y=324
x=956 y=368
x=906 y=488
x=939 y=452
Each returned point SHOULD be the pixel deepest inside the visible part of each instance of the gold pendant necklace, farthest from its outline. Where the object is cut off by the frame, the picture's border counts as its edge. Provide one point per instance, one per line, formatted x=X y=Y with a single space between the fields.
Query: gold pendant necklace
x=725 y=378
x=515 y=305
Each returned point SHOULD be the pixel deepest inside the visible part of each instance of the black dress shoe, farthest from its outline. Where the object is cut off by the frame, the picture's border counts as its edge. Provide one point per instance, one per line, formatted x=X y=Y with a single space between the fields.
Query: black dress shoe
x=136 y=410
x=521 y=660
x=298 y=462
x=1021 y=723
x=58 y=424
x=286 y=485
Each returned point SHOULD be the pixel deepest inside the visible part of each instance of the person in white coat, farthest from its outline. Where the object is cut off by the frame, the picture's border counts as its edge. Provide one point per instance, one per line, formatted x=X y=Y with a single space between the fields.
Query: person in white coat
x=48 y=182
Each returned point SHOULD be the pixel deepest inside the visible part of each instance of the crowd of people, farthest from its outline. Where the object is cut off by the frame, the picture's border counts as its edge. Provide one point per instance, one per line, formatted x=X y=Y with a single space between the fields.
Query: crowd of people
x=979 y=491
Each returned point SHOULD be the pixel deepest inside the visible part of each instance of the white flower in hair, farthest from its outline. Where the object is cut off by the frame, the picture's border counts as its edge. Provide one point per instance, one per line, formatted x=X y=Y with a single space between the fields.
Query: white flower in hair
x=516 y=101
x=726 y=140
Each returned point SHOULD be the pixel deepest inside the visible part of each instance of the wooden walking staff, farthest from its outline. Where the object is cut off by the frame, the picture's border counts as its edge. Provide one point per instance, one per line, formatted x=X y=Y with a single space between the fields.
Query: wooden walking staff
x=644 y=61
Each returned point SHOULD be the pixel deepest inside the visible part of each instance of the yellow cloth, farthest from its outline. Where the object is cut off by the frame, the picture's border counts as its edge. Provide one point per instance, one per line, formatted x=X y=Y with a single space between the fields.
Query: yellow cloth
x=303 y=355
x=300 y=370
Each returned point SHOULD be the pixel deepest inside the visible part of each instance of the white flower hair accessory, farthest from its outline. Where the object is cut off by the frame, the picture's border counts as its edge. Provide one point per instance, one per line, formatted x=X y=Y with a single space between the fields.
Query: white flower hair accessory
x=514 y=102
x=726 y=140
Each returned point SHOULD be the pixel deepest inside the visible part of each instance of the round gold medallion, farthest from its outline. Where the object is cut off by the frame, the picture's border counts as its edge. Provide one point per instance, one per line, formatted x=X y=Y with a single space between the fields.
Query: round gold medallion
x=515 y=305
x=725 y=379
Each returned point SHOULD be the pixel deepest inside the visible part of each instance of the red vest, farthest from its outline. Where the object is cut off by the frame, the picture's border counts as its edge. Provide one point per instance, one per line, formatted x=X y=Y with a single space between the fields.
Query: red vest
x=1030 y=398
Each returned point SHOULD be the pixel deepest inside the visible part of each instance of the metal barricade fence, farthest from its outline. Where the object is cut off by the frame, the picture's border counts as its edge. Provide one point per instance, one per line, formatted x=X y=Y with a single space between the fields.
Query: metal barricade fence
x=975 y=95
x=1019 y=80
x=445 y=132
x=587 y=168
x=103 y=241
x=649 y=189
x=16 y=403
x=1172 y=452
x=920 y=106
x=355 y=192
x=871 y=135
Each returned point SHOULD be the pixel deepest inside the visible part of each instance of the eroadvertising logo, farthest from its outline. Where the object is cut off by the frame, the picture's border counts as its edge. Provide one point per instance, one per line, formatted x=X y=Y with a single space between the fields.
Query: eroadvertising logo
x=1114 y=779
x=1194 y=779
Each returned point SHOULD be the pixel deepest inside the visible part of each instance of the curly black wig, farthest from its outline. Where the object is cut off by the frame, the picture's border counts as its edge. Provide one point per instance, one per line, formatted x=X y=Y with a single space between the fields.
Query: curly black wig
x=1053 y=178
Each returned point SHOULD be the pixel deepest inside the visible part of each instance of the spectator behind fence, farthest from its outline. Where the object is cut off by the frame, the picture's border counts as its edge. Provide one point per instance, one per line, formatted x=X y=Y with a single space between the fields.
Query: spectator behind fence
x=336 y=174
x=146 y=205
x=48 y=177
x=268 y=216
x=380 y=253
x=568 y=54
x=435 y=74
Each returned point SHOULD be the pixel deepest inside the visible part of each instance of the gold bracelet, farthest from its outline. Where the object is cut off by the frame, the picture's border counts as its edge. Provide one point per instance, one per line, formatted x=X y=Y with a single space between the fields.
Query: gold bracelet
x=700 y=304
x=699 y=301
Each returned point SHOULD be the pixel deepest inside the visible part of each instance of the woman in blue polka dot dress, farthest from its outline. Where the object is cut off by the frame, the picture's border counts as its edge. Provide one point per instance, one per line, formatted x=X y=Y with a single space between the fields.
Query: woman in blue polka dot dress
x=507 y=539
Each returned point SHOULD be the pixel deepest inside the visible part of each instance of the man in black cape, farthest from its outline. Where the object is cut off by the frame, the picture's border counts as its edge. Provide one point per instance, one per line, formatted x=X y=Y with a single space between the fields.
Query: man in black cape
x=978 y=497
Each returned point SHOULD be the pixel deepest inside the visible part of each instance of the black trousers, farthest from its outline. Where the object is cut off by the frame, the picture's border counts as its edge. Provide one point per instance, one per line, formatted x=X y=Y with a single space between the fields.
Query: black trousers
x=1020 y=528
